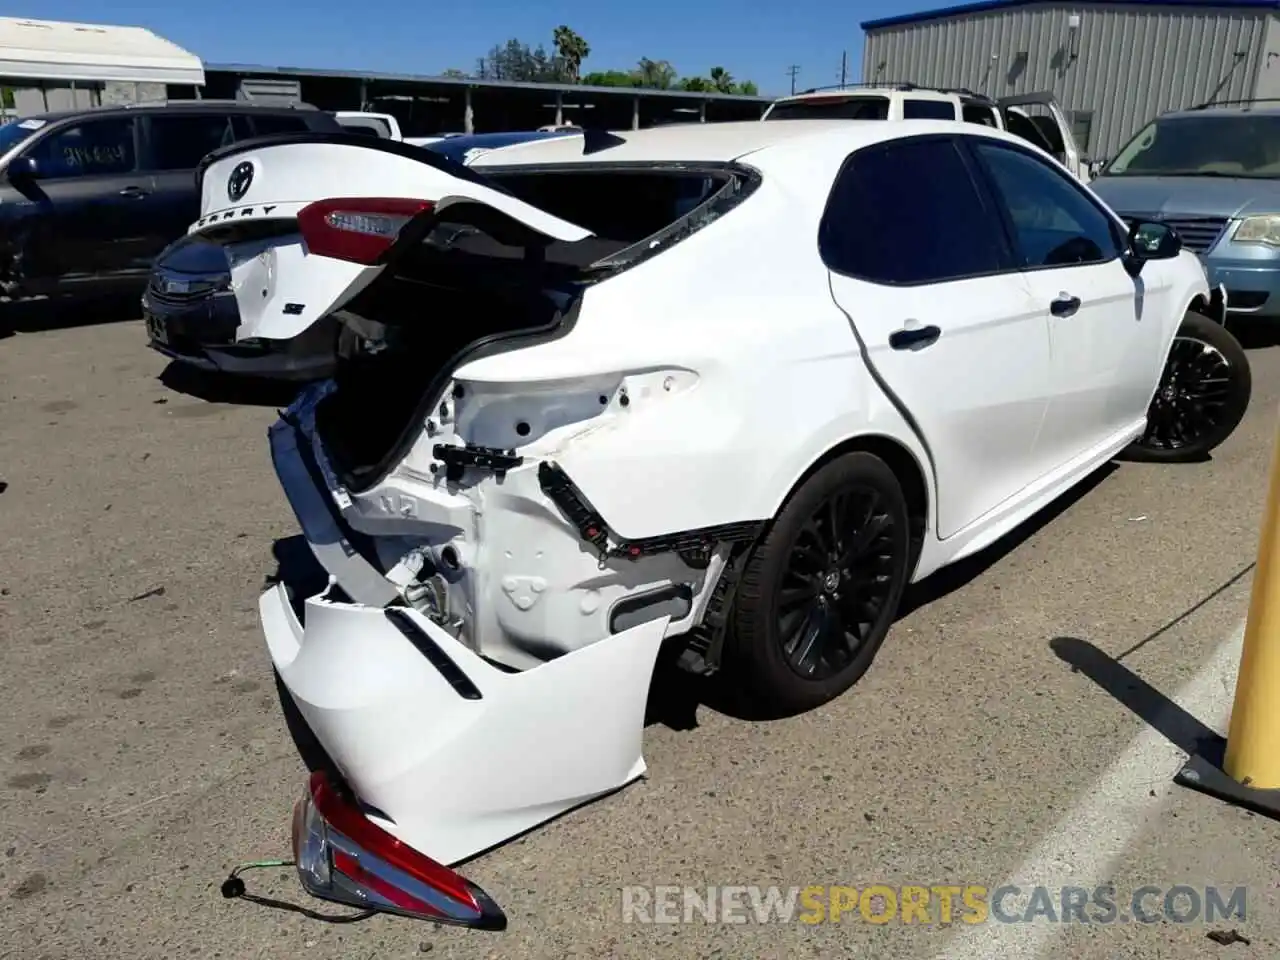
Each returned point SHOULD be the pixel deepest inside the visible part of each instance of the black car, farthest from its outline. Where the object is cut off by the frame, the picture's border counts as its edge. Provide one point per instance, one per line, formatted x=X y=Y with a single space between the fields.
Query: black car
x=89 y=199
x=191 y=316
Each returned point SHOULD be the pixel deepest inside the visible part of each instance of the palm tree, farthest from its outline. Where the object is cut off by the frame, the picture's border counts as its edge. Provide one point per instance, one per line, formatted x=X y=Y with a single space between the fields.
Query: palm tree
x=572 y=50
x=722 y=79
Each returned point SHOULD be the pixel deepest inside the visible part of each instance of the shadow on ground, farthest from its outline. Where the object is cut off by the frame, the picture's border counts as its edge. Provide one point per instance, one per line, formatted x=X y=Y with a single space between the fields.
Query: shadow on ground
x=215 y=387
x=1200 y=743
x=1147 y=703
x=1254 y=334
x=34 y=316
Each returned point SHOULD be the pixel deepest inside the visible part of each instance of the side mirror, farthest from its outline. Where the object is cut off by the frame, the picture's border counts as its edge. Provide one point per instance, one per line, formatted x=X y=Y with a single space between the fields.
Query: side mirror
x=22 y=169
x=1095 y=168
x=1150 y=241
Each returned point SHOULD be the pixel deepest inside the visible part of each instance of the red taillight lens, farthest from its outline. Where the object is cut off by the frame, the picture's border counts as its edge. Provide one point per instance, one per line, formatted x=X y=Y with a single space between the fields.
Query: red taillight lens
x=357 y=229
x=344 y=857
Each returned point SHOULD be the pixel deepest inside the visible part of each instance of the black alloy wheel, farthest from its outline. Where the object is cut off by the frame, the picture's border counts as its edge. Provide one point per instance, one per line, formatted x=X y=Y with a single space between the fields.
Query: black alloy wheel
x=1202 y=396
x=837 y=582
x=819 y=592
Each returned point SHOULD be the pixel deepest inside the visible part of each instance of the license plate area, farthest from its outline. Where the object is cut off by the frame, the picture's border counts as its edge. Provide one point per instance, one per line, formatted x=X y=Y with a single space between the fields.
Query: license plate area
x=157 y=329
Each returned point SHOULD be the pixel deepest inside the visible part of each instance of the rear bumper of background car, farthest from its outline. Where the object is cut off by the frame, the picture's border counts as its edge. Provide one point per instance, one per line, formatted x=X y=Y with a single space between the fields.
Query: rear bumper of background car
x=453 y=753
x=201 y=334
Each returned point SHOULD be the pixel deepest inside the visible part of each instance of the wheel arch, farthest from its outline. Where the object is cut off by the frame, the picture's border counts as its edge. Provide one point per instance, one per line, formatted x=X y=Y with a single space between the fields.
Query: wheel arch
x=905 y=465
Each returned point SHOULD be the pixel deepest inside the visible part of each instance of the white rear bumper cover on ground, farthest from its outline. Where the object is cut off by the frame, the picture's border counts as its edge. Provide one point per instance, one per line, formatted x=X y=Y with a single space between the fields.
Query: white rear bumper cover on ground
x=458 y=754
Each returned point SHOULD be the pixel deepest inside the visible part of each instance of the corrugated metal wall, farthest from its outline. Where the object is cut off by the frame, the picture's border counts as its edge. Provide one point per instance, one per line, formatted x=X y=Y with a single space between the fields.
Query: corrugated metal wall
x=1131 y=63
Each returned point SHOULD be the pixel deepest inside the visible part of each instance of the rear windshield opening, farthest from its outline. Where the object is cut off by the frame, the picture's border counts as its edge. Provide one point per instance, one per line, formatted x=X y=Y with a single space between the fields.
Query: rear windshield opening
x=473 y=284
x=832 y=108
x=622 y=208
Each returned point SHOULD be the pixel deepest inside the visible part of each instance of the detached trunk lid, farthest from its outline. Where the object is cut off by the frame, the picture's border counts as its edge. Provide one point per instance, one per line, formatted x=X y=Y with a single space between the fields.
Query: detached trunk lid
x=252 y=193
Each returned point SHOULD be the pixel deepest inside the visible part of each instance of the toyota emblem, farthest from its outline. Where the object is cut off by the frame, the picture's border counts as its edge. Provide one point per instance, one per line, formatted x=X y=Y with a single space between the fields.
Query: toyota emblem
x=238 y=182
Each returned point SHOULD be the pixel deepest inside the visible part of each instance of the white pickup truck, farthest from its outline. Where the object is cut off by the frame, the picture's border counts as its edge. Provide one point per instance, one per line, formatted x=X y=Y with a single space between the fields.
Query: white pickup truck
x=1034 y=116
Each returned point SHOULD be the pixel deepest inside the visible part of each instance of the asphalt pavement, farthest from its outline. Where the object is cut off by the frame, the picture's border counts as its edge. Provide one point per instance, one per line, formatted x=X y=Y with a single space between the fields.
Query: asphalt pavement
x=1017 y=727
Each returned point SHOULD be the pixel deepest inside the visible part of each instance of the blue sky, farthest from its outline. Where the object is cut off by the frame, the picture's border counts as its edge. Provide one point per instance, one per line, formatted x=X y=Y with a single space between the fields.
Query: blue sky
x=427 y=37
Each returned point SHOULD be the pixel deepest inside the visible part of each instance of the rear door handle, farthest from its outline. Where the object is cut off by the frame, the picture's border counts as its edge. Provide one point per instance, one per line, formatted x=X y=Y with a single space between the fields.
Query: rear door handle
x=132 y=193
x=1065 y=305
x=914 y=338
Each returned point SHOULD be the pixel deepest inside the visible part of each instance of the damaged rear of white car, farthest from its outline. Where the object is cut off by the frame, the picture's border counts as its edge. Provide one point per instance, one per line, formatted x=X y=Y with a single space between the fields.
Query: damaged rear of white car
x=605 y=391
x=452 y=670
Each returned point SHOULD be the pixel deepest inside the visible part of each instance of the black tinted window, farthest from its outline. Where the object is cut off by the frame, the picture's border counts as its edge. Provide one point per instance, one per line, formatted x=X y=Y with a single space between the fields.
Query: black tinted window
x=266 y=125
x=832 y=108
x=928 y=110
x=180 y=142
x=94 y=148
x=1054 y=223
x=909 y=212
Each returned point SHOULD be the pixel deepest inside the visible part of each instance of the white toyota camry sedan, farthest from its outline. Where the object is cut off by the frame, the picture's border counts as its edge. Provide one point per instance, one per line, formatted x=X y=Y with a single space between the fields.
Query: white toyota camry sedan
x=727 y=386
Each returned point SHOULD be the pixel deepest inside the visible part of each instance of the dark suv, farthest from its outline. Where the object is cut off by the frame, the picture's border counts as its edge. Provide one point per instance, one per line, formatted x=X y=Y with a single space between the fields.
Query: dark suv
x=89 y=198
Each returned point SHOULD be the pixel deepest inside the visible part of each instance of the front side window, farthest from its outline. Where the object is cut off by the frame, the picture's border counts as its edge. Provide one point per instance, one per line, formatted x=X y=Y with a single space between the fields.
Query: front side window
x=913 y=109
x=181 y=141
x=92 y=148
x=1054 y=223
x=909 y=212
x=1207 y=145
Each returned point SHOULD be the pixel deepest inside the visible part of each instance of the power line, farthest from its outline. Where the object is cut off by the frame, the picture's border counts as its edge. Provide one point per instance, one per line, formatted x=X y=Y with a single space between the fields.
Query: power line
x=792 y=71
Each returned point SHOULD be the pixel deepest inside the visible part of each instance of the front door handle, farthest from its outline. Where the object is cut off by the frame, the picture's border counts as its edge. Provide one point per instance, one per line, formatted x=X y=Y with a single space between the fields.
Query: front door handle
x=914 y=338
x=132 y=193
x=1065 y=305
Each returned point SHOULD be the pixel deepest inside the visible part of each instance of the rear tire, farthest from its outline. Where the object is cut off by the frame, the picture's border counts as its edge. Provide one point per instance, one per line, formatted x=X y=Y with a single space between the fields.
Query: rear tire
x=820 y=591
x=1202 y=396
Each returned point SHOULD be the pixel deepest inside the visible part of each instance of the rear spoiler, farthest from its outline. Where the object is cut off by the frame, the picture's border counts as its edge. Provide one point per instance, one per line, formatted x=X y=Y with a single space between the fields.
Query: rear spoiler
x=345 y=139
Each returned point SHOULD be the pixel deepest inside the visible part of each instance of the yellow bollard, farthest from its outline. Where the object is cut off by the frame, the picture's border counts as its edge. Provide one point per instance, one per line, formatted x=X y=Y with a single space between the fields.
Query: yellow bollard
x=1253 y=740
x=1249 y=775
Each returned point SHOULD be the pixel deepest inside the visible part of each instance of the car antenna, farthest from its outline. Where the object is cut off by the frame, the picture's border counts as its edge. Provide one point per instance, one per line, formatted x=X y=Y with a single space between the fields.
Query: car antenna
x=595 y=140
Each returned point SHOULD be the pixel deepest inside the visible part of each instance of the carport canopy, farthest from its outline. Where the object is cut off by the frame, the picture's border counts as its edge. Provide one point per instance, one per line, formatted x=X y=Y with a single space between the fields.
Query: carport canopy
x=52 y=50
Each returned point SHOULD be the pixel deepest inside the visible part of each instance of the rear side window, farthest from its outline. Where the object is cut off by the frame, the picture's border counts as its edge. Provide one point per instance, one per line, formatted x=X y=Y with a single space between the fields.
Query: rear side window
x=979 y=113
x=832 y=108
x=180 y=142
x=909 y=212
x=928 y=109
x=266 y=124
x=92 y=148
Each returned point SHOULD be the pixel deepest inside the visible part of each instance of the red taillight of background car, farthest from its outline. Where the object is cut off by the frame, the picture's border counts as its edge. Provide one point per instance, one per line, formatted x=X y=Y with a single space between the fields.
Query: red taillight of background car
x=357 y=229
x=344 y=857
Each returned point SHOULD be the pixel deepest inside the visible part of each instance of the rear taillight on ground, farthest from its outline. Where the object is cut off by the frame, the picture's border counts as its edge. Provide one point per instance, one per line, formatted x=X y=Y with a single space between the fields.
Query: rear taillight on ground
x=342 y=856
x=358 y=229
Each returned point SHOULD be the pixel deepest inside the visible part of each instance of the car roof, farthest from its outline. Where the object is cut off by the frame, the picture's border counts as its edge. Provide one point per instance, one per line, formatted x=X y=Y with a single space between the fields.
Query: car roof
x=724 y=142
x=1227 y=109
x=171 y=106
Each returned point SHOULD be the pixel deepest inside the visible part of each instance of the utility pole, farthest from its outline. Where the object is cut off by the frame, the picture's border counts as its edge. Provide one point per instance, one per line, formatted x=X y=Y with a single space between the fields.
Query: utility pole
x=792 y=71
x=844 y=68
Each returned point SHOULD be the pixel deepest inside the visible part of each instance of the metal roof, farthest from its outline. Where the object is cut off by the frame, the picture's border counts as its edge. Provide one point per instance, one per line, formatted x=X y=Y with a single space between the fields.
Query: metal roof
x=985 y=6
x=578 y=88
x=52 y=50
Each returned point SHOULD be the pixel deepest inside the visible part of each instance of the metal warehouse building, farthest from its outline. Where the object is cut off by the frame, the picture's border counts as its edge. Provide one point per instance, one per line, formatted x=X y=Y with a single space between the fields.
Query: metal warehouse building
x=1111 y=65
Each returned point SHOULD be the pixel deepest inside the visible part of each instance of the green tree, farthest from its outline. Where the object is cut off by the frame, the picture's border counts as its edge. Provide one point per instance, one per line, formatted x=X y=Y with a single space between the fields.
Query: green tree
x=612 y=78
x=696 y=85
x=514 y=60
x=747 y=89
x=572 y=50
x=656 y=74
x=722 y=80
x=453 y=73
